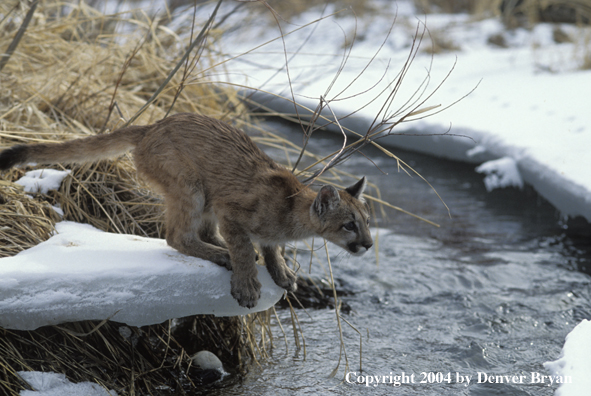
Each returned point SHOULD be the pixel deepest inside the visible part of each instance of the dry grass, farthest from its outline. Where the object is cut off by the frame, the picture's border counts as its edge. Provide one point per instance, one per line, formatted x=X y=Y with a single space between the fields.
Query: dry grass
x=447 y=6
x=440 y=43
x=130 y=360
x=24 y=221
x=74 y=73
x=514 y=12
x=289 y=9
x=69 y=71
x=519 y=13
x=585 y=49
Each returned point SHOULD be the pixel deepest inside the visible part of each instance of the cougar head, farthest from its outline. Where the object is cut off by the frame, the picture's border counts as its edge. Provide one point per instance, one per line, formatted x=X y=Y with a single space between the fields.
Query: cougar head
x=342 y=217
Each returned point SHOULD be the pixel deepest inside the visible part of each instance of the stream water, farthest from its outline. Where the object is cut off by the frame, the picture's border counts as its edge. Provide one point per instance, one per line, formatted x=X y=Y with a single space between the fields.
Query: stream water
x=492 y=291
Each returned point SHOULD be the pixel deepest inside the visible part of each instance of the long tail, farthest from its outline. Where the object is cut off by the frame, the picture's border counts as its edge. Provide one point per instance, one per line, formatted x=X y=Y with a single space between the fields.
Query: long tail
x=88 y=149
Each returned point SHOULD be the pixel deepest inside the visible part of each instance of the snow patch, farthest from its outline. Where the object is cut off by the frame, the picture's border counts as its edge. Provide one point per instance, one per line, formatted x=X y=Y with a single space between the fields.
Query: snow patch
x=57 y=209
x=42 y=180
x=574 y=362
x=476 y=151
x=501 y=173
x=54 y=384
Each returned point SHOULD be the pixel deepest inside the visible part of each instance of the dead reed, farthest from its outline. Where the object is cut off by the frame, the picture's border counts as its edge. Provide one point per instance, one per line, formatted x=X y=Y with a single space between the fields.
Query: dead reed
x=76 y=72
x=288 y=10
x=24 y=221
x=132 y=361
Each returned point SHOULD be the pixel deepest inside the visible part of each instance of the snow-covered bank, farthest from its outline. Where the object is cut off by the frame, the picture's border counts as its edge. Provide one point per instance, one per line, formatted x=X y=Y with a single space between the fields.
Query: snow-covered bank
x=574 y=363
x=568 y=191
x=82 y=273
x=529 y=99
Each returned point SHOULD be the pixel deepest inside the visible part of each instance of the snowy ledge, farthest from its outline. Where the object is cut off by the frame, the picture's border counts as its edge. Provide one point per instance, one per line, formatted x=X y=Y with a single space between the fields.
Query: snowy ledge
x=82 y=273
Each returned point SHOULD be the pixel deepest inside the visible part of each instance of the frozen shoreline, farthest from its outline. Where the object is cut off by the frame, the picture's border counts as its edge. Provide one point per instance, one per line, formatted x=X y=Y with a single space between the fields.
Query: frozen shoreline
x=569 y=197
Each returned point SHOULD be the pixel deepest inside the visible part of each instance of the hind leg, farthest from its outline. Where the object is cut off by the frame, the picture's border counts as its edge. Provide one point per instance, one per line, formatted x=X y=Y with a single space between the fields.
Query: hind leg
x=190 y=226
x=186 y=225
x=208 y=230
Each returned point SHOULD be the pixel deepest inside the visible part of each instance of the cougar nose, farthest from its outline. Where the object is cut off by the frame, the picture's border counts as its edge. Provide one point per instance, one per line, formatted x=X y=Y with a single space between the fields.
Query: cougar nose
x=367 y=245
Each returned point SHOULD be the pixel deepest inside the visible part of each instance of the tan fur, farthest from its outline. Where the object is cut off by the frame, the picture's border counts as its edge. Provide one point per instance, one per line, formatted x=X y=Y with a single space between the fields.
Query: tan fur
x=213 y=177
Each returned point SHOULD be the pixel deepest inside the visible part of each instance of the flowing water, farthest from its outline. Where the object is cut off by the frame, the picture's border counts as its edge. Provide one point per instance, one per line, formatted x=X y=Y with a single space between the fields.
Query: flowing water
x=492 y=292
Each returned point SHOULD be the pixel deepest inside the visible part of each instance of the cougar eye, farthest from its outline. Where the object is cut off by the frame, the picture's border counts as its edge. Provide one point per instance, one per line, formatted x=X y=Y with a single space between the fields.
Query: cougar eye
x=350 y=226
x=368 y=221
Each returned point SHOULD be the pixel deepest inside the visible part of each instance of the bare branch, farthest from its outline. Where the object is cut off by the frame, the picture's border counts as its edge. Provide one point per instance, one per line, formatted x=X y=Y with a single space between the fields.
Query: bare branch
x=200 y=38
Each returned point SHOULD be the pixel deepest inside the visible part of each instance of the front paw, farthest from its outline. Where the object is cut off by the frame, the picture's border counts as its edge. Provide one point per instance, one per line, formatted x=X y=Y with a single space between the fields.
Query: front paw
x=246 y=291
x=285 y=278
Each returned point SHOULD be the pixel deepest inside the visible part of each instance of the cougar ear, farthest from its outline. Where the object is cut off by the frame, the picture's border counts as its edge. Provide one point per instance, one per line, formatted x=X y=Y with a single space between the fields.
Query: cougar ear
x=327 y=199
x=356 y=190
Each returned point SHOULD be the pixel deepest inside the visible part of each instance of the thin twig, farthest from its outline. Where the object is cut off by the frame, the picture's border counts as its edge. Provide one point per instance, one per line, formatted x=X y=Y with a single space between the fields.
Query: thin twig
x=19 y=35
x=198 y=40
x=336 y=309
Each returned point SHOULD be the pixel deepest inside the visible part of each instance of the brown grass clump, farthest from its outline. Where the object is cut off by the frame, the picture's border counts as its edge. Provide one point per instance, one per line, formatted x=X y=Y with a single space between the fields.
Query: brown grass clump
x=24 y=221
x=290 y=9
x=446 y=6
x=73 y=71
x=77 y=72
x=514 y=12
x=108 y=196
x=132 y=361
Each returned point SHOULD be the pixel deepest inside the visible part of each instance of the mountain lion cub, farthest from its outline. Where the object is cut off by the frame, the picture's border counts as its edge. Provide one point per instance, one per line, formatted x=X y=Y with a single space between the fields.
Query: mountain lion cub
x=213 y=176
